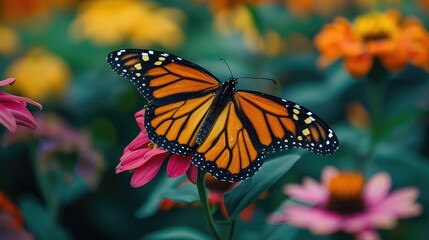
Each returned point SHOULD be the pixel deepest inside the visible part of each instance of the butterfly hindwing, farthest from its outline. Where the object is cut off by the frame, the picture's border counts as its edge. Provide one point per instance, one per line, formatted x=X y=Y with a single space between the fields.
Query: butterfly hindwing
x=228 y=152
x=162 y=77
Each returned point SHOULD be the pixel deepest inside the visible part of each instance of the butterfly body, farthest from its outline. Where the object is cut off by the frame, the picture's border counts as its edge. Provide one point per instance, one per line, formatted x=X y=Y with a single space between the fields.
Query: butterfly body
x=223 y=96
x=228 y=131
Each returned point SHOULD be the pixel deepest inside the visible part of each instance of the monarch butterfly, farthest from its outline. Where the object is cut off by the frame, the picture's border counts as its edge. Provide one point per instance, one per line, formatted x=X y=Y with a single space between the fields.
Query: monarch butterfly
x=228 y=131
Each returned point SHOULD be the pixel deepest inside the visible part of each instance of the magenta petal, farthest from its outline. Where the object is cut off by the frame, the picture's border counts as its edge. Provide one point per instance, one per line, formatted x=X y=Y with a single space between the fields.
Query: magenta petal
x=132 y=159
x=140 y=141
x=7 y=119
x=21 y=100
x=192 y=173
x=178 y=165
x=146 y=173
x=8 y=81
x=140 y=119
x=21 y=114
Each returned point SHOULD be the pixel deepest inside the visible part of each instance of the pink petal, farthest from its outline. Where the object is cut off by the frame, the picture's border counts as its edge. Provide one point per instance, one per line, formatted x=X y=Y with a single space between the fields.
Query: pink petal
x=142 y=140
x=367 y=235
x=192 y=173
x=21 y=114
x=401 y=203
x=277 y=218
x=357 y=222
x=178 y=165
x=328 y=173
x=7 y=119
x=377 y=188
x=8 y=81
x=146 y=173
x=318 y=221
x=140 y=119
x=22 y=100
x=310 y=191
x=132 y=160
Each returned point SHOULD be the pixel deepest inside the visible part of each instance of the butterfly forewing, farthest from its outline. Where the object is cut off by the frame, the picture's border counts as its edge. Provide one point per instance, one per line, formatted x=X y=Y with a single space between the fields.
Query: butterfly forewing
x=175 y=126
x=162 y=77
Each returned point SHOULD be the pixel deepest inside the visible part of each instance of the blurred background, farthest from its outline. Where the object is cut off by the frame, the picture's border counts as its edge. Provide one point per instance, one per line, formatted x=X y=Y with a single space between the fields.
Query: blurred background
x=56 y=49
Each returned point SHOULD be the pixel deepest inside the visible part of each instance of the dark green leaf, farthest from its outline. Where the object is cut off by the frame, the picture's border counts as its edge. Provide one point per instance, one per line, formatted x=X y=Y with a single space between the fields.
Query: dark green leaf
x=184 y=194
x=248 y=191
x=39 y=220
x=151 y=205
x=281 y=231
x=177 y=233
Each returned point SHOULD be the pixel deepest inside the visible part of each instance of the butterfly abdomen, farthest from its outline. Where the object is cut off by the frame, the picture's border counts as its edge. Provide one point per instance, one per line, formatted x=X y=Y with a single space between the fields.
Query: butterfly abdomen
x=224 y=94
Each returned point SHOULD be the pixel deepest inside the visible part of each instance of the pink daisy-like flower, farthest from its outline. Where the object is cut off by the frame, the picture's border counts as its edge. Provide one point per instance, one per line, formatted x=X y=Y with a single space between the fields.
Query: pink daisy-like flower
x=344 y=202
x=144 y=159
x=13 y=111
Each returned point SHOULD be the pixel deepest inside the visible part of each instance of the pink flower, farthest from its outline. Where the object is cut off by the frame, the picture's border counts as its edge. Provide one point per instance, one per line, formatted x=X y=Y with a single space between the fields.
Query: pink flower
x=344 y=202
x=13 y=109
x=144 y=159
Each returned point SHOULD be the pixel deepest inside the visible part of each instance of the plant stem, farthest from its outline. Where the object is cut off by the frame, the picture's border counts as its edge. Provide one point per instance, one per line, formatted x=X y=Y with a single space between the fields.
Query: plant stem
x=201 y=185
x=231 y=229
x=377 y=79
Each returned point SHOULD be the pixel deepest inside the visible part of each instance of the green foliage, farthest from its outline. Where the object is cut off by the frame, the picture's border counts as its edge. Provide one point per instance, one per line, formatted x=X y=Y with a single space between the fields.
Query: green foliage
x=247 y=192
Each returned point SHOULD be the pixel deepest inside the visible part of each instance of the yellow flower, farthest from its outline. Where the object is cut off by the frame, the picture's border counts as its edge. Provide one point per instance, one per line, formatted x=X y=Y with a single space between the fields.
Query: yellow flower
x=42 y=75
x=384 y=36
x=107 y=22
x=238 y=19
x=9 y=40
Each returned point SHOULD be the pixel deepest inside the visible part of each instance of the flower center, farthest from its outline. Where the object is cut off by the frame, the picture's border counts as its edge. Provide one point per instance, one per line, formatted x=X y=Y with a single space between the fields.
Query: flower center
x=152 y=145
x=346 y=193
x=376 y=26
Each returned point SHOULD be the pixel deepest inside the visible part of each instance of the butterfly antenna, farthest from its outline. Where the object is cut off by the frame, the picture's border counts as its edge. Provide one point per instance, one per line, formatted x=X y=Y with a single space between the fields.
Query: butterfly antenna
x=268 y=79
x=223 y=59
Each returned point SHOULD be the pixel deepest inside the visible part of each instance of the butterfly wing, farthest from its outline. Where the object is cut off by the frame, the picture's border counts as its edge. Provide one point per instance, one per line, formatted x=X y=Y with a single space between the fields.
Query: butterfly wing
x=254 y=124
x=162 y=77
x=175 y=126
x=279 y=124
x=228 y=152
x=179 y=93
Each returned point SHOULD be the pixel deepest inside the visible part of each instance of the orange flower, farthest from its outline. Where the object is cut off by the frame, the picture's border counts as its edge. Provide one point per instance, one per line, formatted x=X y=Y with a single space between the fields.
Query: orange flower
x=304 y=8
x=384 y=36
x=219 y=5
x=8 y=207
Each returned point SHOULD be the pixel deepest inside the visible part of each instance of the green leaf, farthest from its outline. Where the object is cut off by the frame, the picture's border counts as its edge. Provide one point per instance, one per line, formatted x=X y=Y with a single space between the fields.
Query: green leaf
x=39 y=220
x=178 y=233
x=184 y=194
x=280 y=232
x=151 y=205
x=248 y=191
